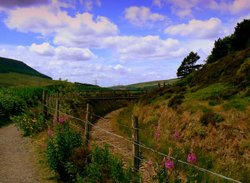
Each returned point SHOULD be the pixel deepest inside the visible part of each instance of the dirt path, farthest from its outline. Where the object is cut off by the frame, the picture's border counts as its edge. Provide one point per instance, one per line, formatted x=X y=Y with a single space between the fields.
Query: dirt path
x=118 y=146
x=16 y=164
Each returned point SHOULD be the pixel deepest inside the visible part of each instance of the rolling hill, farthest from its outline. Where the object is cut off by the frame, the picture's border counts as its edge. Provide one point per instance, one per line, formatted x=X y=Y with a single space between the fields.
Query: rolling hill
x=145 y=85
x=14 y=66
x=14 y=73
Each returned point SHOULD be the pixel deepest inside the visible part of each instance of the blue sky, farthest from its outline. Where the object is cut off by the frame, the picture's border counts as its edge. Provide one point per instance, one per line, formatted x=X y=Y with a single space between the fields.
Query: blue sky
x=114 y=42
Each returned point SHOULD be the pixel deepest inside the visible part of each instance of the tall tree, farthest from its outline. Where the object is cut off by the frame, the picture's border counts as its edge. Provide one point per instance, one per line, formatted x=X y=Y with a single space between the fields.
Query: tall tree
x=221 y=48
x=241 y=35
x=188 y=65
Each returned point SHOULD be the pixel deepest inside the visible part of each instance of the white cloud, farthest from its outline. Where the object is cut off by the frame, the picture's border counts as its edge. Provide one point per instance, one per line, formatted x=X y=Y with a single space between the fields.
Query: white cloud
x=79 y=30
x=42 y=49
x=158 y=3
x=140 y=16
x=184 y=8
x=85 y=31
x=197 y=28
x=234 y=7
x=61 y=52
x=76 y=54
x=144 y=48
x=42 y=19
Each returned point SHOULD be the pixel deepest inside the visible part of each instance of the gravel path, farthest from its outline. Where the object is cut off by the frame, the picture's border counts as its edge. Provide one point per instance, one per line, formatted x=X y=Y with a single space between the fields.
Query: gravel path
x=16 y=164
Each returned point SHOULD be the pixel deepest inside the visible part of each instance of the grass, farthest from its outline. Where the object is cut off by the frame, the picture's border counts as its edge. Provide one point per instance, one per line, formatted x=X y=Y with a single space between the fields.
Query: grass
x=40 y=160
x=213 y=91
x=216 y=144
x=237 y=103
x=22 y=80
x=145 y=85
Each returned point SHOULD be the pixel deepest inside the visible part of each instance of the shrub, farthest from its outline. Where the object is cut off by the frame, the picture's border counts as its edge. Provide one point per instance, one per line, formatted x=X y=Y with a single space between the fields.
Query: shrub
x=11 y=104
x=211 y=118
x=214 y=102
x=105 y=167
x=237 y=103
x=60 y=148
x=175 y=101
x=29 y=124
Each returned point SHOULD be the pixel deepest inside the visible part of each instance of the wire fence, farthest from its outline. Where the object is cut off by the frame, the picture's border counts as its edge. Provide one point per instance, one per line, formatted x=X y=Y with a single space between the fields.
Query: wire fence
x=130 y=141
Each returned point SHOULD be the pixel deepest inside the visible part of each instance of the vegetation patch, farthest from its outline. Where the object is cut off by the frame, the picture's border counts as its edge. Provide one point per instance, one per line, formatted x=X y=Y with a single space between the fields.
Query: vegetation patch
x=214 y=91
x=211 y=118
x=175 y=101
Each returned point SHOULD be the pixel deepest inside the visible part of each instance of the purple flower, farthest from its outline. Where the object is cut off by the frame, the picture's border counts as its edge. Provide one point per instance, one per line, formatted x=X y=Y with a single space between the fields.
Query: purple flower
x=169 y=164
x=61 y=120
x=157 y=135
x=176 y=135
x=191 y=158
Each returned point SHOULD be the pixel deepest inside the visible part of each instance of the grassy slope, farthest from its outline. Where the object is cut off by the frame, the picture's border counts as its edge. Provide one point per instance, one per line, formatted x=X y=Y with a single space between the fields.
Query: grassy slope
x=145 y=85
x=21 y=80
x=10 y=66
x=222 y=147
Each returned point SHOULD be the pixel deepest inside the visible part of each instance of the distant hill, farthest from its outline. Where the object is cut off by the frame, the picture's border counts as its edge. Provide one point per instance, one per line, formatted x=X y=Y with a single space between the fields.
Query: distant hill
x=14 y=66
x=145 y=85
x=88 y=87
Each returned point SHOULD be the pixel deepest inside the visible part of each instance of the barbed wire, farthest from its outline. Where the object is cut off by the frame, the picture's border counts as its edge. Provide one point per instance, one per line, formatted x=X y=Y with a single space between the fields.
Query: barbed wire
x=153 y=150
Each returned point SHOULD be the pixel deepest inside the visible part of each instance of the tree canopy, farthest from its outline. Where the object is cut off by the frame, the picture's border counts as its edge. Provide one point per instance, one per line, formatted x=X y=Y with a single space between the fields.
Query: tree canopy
x=239 y=40
x=188 y=65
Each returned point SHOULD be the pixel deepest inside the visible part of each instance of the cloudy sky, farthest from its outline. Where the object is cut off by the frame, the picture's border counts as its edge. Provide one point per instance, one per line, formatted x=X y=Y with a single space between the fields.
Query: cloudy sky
x=113 y=42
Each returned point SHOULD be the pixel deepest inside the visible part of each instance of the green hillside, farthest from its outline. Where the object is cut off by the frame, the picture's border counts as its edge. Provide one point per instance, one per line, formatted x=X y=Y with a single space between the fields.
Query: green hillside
x=206 y=112
x=233 y=68
x=145 y=85
x=14 y=66
x=22 y=80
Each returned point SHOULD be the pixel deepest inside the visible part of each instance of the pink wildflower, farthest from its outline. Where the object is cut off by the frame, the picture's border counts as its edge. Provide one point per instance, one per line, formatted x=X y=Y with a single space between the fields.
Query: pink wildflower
x=191 y=158
x=177 y=135
x=61 y=120
x=169 y=164
x=157 y=135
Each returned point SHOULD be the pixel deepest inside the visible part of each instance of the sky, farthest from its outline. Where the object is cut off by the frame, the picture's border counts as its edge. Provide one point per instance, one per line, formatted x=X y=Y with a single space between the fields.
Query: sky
x=112 y=42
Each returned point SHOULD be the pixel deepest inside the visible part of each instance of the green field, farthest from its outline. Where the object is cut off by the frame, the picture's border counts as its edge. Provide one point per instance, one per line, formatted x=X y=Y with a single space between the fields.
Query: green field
x=145 y=85
x=22 y=80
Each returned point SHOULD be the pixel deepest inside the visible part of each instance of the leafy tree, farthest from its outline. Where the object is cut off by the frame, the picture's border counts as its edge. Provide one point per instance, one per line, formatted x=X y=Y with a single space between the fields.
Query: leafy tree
x=188 y=65
x=239 y=40
x=241 y=36
x=221 y=48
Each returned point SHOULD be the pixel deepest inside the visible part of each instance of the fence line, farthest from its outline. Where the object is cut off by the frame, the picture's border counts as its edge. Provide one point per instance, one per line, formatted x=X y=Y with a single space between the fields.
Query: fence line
x=148 y=148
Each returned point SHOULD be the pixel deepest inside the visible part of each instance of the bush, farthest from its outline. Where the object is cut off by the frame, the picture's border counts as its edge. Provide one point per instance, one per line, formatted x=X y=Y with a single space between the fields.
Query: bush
x=104 y=167
x=60 y=148
x=175 y=101
x=211 y=118
x=11 y=105
x=29 y=124
x=214 y=102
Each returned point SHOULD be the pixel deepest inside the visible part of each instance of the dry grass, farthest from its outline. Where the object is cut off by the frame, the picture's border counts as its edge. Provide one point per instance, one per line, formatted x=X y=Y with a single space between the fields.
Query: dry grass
x=225 y=144
x=40 y=159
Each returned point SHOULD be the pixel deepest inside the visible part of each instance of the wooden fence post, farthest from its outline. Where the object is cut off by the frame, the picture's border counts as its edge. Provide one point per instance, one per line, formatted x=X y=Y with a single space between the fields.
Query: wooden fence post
x=57 y=107
x=135 y=137
x=87 y=120
x=45 y=103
